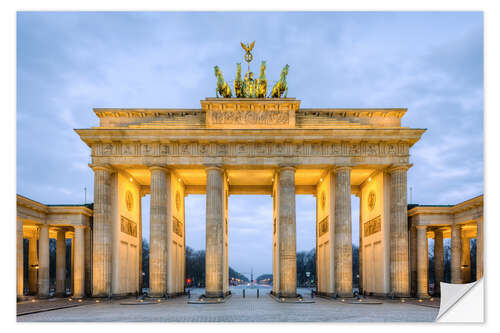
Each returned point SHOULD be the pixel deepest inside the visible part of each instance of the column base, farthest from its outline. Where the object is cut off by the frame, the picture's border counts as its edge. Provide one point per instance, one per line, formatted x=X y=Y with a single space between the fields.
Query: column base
x=423 y=296
x=297 y=299
x=216 y=294
x=60 y=295
x=345 y=295
x=157 y=295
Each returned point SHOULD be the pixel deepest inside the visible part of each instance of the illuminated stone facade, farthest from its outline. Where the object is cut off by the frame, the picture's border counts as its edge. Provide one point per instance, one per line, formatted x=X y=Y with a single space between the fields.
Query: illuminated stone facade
x=242 y=146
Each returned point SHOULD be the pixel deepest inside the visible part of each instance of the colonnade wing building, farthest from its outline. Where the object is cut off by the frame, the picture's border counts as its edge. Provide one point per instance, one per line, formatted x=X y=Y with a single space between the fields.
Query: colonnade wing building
x=248 y=146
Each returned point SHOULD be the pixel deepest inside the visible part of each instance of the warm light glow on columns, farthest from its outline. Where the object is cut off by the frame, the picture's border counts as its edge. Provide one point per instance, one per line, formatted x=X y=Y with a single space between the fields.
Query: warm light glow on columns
x=399 y=259
x=44 y=262
x=159 y=209
x=422 y=262
x=343 y=234
x=413 y=258
x=33 y=263
x=287 y=233
x=79 y=264
x=465 y=259
x=20 y=257
x=360 y=247
x=456 y=254
x=479 y=248
x=214 y=257
x=61 y=263
x=438 y=261
x=102 y=232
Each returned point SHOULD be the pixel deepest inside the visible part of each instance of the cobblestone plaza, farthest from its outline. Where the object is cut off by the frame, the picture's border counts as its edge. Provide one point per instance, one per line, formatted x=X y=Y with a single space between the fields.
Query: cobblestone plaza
x=239 y=309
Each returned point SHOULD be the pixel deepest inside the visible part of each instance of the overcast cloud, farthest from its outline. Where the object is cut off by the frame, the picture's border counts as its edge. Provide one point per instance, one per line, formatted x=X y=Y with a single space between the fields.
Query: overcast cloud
x=430 y=63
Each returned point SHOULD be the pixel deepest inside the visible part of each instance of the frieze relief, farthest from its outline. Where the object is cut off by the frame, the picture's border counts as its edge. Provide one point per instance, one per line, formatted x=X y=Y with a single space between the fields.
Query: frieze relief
x=240 y=117
x=372 y=227
x=177 y=227
x=355 y=150
x=128 y=227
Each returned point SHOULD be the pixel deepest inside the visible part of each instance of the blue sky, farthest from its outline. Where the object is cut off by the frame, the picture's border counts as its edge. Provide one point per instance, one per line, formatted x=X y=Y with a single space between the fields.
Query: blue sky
x=428 y=62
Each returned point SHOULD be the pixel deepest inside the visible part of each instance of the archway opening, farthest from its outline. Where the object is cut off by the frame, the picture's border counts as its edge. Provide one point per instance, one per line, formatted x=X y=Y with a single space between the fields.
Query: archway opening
x=195 y=212
x=306 y=243
x=250 y=247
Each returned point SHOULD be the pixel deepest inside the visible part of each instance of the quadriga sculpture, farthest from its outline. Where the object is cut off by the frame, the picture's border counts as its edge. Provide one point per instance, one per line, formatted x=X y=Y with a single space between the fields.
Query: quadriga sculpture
x=222 y=87
x=238 y=83
x=281 y=87
x=262 y=81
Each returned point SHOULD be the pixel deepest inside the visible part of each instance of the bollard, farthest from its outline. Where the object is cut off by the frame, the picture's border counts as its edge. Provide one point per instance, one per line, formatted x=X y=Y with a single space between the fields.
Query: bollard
x=243 y=293
x=257 y=293
x=189 y=293
x=312 y=293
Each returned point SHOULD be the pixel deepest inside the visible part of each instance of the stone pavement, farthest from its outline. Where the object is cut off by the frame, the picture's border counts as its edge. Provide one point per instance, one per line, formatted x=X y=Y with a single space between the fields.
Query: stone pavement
x=239 y=309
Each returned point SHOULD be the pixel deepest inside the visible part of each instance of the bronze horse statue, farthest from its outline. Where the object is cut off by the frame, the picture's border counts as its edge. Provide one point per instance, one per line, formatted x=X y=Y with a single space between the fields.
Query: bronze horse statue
x=238 y=83
x=281 y=87
x=222 y=87
x=262 y=81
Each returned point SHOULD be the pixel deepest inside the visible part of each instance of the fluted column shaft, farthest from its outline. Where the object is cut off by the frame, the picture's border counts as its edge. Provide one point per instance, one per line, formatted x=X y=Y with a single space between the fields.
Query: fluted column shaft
x=400 y=286
x=343 y=233
x=438 y=261
x=214 y=261
x=287 y=233
x=20 y=258
x=61 y=263
x=422 y=262
x=160 y=188
x=413 y=259
x=44 y=262
x=102 y=233
x=456 y=254
x=465 y=259
x=479 y=249
x=79 y=262
x=360 y=249
x=33 y=264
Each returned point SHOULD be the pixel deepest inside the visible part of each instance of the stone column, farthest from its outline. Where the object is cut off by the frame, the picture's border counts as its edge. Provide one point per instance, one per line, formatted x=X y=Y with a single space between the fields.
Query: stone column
x=102 y=233
x=61 y=263
x=438 y=261
x=79 y=262
x=456 y=253
x=422 y=262
x=214 y=260
x=44 y=263
x=72 y=265
x=413 y=258
x=20 y=259
x=160 y=188
x=287 y=233
x=88 y=261
x=343 y=233
x=360 y=249
x=479 y=249
x=400 y=286
x=33 y=264
x=465 y=259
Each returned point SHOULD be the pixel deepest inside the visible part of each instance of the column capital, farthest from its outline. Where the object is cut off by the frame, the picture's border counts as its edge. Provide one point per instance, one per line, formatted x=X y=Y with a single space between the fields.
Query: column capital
x=398 y=167
x=283 y=167
x=105 y=167
x=421 y=227
x=219 y=167
x=80 y=226
x=340 y=168
x=158 y=167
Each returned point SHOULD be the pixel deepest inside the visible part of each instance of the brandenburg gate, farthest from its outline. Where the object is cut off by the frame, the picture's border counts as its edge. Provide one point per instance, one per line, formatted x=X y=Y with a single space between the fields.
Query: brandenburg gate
x=249 y=146
x=254 y=144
